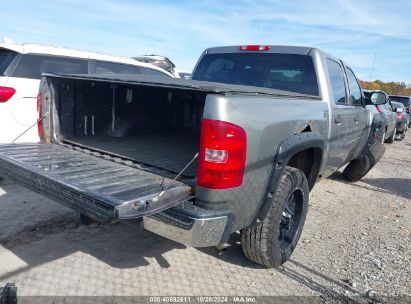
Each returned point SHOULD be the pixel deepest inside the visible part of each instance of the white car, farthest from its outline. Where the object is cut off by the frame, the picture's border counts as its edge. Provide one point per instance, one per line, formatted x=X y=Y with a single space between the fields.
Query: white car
x=21 y=66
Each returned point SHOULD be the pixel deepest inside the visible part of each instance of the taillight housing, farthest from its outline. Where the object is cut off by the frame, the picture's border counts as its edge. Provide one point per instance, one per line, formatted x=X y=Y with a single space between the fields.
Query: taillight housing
x=222 y=155
x=255 y=48
x=40 y=115
x=6 y=93
x=400 y=115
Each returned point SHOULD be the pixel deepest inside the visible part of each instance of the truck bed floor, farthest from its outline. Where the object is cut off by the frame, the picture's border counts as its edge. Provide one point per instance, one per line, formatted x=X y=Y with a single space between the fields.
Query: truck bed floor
x=167 y=151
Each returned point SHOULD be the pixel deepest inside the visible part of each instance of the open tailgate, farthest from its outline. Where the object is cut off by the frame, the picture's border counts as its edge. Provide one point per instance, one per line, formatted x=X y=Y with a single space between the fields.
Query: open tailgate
x=100 y=188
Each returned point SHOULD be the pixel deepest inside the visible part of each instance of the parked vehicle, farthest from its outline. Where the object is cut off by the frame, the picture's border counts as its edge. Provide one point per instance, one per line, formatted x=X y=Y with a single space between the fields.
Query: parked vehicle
x=199 y=160
x=384 y=113
x=402 y=120
x=160 y=61
x=184 y=74
x=21 y=66
x=405 y=100
x=408 y=116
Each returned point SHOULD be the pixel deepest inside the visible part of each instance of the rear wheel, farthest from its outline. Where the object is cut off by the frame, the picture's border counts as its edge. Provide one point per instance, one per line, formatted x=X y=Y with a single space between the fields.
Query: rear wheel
x=272 y=241
x=390 y=139
x=400 y=136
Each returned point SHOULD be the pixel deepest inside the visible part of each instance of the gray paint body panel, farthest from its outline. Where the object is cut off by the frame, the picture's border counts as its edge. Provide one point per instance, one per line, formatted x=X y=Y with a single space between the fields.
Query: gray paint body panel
x=267 y=123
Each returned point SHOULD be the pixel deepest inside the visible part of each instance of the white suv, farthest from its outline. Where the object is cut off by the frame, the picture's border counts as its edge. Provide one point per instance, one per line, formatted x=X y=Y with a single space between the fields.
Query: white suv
x=21 y=66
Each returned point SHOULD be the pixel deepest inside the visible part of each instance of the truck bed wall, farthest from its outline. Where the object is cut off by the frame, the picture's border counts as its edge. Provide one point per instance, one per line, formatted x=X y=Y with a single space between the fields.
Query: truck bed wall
x=143 y=123
x=124 y=110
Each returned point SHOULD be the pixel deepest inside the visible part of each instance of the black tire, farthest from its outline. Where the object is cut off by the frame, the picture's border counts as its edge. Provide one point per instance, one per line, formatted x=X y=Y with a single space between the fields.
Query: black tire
x=85 y=220
x=271 y=242
x=401 y=136
x=391 y=139
x=359 y=167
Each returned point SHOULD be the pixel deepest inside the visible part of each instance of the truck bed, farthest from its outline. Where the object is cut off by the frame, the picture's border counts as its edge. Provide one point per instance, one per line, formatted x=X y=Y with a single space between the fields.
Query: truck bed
x=165 y=151
x=100 y=188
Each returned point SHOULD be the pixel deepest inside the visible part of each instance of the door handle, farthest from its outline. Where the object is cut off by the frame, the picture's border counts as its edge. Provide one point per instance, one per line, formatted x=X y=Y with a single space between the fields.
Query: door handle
x=338 y=118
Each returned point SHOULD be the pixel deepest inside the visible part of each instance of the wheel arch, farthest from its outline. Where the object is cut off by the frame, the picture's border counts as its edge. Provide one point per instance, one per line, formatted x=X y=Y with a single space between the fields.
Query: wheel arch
x=308 y=161
x=303 y=151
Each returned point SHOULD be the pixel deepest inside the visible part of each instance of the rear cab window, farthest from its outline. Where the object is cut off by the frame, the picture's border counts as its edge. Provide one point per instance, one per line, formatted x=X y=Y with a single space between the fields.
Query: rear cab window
x=288 y=72
x=6 y=57
x=32 y=66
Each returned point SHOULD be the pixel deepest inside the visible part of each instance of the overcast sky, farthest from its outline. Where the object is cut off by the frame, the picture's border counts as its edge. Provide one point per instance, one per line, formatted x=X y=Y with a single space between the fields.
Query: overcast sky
x=181 y=30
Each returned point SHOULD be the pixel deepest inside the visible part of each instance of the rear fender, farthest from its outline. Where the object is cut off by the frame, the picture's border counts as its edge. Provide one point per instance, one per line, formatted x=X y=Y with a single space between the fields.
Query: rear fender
x=286 y=150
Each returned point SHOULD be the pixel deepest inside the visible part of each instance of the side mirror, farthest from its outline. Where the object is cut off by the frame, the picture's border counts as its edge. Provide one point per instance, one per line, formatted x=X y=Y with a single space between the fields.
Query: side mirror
x=376 y=98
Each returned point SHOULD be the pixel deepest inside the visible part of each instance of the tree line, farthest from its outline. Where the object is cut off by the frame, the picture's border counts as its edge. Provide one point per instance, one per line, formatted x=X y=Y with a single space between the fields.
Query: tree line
x=391 y=88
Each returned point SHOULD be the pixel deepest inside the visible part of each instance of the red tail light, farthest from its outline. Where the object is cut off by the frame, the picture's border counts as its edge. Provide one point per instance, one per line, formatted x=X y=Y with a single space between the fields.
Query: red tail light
x=379 y=109
x=255 y=48
x=222 y=155
x=6 y=93
x=40 y=120
x=400 y=115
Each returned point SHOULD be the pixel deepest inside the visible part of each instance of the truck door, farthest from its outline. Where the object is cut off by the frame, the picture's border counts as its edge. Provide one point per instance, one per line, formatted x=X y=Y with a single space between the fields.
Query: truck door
x=391 y=116
x=342 y=116
x=360 y=125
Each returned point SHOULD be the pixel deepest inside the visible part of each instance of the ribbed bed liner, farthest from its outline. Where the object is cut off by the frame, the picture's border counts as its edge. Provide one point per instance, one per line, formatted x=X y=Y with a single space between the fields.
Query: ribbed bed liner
x=166 y=151
x=95 y=186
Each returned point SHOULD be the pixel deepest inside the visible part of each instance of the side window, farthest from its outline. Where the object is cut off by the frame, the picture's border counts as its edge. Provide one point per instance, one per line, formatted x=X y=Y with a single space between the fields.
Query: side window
x=337 y=81
x=6 y=57
x=32 y=66
x=355 y=89
x=148 y=71
x=103 y=67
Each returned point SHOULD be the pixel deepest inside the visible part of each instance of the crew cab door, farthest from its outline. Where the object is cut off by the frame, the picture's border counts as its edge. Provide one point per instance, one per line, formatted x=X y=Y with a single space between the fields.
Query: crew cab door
x=341 y=120
x=360 y=126
x=390 y=115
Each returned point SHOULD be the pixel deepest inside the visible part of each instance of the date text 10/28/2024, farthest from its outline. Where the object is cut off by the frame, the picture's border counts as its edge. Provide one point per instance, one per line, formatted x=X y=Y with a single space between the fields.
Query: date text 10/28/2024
x=203 y=299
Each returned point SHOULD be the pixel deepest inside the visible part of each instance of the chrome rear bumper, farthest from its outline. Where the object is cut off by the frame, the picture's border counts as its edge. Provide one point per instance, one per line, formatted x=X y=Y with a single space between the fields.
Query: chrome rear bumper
x=190 y=225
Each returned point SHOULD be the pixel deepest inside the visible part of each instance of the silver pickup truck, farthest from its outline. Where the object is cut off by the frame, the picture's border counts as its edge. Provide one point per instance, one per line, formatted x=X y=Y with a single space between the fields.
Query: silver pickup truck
x=237 y=148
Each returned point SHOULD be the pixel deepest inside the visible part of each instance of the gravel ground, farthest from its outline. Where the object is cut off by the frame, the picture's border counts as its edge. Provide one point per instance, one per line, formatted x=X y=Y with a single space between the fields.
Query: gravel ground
x=355 y=248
